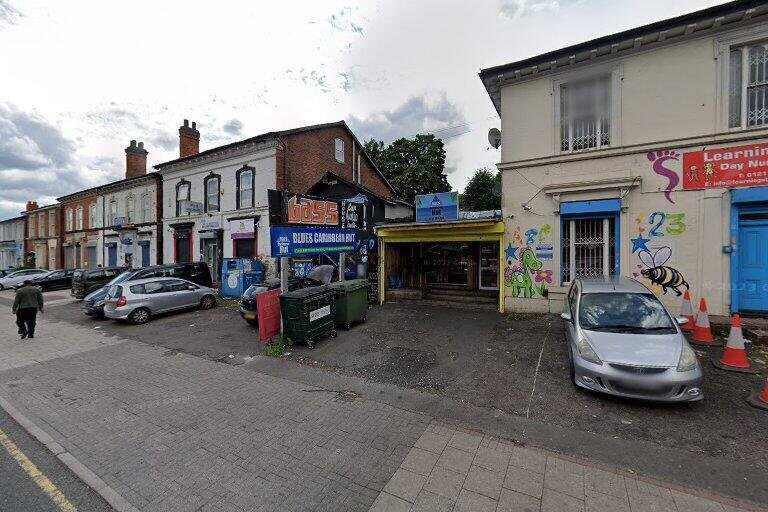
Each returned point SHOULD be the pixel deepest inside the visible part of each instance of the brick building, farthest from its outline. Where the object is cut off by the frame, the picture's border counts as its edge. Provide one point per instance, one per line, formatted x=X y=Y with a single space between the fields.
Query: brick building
x=43 y=247
x=80 y=237
x=215 y=201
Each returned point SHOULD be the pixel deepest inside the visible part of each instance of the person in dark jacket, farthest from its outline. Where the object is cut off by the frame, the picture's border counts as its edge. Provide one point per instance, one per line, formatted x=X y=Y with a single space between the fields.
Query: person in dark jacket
x=26 y=303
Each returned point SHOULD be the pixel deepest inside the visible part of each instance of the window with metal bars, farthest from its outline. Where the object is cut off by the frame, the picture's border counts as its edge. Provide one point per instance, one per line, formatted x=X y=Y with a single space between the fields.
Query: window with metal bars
x=588 y=248
x=748 y=86
x=585 y=114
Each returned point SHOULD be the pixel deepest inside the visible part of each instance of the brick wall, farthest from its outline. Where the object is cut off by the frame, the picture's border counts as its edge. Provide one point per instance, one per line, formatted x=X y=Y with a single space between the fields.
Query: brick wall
x=310 y=154
x=74 y=204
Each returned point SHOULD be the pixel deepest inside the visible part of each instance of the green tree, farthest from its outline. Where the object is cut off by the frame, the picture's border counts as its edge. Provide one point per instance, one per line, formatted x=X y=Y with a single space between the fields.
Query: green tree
x=483 y=192
x=413 y=166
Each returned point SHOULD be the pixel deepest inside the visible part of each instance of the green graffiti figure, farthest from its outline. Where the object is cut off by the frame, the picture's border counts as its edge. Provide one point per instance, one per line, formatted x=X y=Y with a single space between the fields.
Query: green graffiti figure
x=520 y=282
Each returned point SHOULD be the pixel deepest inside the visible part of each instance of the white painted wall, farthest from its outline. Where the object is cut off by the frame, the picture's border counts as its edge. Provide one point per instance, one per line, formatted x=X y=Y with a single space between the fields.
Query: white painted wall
x=149 y=188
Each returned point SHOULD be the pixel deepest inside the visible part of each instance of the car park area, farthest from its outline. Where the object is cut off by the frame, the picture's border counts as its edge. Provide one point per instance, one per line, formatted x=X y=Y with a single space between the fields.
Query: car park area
x=514 y=363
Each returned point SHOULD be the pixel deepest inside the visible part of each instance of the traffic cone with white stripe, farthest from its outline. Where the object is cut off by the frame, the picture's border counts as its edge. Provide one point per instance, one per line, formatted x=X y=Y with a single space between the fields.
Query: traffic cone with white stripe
x=735 y=354
x=702 y=332
x=686 y=310
x=760 y=400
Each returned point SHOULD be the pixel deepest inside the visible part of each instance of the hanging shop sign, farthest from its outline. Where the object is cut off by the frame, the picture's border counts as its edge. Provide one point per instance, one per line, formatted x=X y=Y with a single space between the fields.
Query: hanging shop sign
x=290 y=241
x=739 y=166
x=242 y=228
x=439 y=207
x=286 y=209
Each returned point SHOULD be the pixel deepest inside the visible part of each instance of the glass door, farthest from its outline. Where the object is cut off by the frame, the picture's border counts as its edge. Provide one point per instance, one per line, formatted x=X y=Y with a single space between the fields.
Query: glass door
x=489 y=266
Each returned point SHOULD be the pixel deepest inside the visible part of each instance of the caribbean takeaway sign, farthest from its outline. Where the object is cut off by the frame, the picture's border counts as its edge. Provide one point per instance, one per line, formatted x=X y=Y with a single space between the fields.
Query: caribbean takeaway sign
x=439 y=207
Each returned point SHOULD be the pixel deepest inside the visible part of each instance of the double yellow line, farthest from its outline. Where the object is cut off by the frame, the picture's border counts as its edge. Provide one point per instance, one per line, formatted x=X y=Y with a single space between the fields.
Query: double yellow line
x=36 y=475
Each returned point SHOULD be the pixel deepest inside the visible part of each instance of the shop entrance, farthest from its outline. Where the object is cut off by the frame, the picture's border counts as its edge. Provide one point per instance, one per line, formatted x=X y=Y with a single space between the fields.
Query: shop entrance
x=447 y=263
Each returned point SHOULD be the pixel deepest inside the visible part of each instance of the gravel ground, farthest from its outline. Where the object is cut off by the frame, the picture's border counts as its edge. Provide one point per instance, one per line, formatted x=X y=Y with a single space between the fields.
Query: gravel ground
x=485 y=359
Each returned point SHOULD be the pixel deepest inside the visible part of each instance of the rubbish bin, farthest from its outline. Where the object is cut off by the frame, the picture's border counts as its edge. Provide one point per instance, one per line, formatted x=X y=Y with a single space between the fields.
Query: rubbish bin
x=351 y=301
x=248 y=306
x=308 y=314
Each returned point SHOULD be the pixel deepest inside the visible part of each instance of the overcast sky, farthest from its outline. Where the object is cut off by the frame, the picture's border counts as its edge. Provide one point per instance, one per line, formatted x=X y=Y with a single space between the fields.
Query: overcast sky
x=79 y=80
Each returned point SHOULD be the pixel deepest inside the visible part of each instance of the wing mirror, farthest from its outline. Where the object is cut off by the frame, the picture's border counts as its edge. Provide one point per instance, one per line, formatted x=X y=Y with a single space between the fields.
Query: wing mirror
x=681 y=320
x=566 y=316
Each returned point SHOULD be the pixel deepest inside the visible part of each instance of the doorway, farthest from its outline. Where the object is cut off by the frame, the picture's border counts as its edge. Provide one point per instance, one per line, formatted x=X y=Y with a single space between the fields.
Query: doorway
x=753 y=262
x=211 y=255
x=488 y=264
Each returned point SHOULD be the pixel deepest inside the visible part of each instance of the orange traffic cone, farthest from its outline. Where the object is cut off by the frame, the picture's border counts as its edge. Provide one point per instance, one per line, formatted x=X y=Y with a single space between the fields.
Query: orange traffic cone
x=686 y=310
x=702 y=333
x=760 y=400
x=735 y=354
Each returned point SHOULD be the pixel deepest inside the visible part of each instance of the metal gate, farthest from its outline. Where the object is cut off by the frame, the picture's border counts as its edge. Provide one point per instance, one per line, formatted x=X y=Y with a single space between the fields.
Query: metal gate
x=588 y=248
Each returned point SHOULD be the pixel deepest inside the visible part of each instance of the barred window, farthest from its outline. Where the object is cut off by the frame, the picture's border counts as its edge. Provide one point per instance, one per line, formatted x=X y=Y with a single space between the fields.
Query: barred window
x=585 y=114
x=589 y=248
x=748 y=86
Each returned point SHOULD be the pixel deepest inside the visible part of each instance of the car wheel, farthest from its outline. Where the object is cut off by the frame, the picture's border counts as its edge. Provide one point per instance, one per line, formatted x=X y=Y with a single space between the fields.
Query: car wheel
x=139 y=316
x=207 y=302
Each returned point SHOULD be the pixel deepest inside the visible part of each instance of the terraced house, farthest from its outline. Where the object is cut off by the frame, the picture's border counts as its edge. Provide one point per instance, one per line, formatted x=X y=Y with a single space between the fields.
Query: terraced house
x=12 y=242
x=643 y=153
x=42 y=245
x=215 y=201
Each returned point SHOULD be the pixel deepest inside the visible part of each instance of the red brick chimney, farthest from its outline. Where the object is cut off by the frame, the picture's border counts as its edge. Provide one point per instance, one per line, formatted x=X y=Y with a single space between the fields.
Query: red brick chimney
x=31 y=205
x=135 y=160
x=189 y=139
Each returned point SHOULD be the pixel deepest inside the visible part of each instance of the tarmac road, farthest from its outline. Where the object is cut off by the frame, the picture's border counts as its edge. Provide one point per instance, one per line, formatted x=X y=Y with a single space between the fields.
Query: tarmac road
x=19 y=492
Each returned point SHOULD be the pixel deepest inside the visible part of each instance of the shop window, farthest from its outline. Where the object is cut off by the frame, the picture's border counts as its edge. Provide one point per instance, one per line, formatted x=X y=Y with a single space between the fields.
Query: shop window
x=585 y=113
x=338 y=146
x=588 y=248
x=212 y=185
x=748 y=86
x=245 y=187
x=182 y=197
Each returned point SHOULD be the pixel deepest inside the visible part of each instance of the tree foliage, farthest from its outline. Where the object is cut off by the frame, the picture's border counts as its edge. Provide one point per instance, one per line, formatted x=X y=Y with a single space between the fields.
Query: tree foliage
x=413 y=166
x=483 y=192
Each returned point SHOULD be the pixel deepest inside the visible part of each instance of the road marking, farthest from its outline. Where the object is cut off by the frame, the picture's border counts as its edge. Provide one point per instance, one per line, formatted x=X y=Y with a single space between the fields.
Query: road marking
x=535 y=374
x=35 y=474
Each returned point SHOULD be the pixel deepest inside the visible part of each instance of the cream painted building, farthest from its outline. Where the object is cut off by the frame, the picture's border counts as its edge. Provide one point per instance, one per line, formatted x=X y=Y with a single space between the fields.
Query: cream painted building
x=644 y=154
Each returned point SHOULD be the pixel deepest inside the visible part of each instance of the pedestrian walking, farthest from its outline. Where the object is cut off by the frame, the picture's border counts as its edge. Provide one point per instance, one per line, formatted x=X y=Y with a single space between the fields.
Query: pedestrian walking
x=28 y=300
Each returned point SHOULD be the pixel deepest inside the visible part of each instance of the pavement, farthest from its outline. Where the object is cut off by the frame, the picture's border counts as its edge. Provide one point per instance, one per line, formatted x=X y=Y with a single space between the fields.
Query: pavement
x=165 y=430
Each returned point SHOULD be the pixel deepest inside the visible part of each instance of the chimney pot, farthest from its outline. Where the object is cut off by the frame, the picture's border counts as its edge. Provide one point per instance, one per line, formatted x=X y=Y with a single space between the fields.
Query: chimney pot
x=189 y=139
x=31 y=205
x=135 y=160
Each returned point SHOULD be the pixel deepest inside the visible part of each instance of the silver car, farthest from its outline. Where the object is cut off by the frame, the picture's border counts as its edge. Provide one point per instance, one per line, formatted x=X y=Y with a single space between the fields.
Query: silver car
x=16 y=279
x=623 y=341
x=137 y=301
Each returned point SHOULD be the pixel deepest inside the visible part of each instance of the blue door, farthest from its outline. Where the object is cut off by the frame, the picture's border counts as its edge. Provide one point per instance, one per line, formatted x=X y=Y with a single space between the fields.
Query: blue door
x=753 y=260
x=112 y=256
x=144 y=255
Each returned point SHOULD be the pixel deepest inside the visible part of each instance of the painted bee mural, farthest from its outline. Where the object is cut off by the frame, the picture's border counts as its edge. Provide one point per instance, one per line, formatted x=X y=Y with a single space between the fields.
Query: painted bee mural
x=657 y=273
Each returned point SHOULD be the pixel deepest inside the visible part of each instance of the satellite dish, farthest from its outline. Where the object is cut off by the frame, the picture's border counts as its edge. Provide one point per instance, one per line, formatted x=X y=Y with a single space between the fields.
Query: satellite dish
x=494 y=137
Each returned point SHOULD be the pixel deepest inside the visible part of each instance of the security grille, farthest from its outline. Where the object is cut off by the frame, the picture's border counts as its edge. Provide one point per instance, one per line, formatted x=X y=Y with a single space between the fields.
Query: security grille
x=748 y=86
x=585 y=114
x=588 y=248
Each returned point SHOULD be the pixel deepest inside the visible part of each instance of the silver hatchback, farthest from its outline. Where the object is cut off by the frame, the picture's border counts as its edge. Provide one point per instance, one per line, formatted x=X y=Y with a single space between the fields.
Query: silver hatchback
x=623 y=341
x=137 y=301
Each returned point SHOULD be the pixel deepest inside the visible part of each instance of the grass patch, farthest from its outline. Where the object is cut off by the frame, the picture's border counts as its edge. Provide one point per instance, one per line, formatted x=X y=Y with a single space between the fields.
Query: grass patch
x=276 y=348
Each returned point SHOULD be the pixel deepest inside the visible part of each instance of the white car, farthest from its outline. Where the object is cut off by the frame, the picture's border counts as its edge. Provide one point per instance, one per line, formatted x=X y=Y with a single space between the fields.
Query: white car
x=18 y=277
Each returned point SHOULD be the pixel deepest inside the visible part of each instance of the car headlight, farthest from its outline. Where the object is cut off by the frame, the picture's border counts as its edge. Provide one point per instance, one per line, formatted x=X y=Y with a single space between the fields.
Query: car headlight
x=586 y=351
x=688 y=359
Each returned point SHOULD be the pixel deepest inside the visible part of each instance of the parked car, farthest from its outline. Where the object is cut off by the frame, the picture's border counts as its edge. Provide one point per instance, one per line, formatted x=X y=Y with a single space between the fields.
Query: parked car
x=623 y=341
x=321 y=274
x=93 y=303
x=86 y=281
x=56 y=280
x=198 y=273
x=138 y=301
x=18 y=277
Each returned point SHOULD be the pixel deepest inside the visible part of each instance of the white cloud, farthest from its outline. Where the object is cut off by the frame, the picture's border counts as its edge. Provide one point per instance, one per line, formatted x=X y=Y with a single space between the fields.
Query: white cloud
x=515 y=9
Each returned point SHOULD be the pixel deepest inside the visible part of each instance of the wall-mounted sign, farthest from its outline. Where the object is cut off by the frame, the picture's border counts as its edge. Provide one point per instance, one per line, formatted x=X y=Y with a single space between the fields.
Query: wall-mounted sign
x=314 y=212
x=290 y=241
x=439 y=207
x=209 y=223
x=739 y=166
x=242 y=228
x=187 y=207
x=119 y=222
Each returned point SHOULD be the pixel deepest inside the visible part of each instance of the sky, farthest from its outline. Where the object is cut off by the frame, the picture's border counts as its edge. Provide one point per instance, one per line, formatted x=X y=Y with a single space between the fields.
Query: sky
x=80 y=79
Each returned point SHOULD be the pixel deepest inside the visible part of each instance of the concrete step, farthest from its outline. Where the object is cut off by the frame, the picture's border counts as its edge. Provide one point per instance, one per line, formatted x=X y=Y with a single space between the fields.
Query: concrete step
x=450 y=304
x=452 y=292
x=464 y=299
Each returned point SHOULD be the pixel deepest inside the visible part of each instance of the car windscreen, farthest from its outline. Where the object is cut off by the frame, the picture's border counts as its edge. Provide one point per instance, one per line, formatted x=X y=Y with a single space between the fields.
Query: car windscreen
x=121 y=278
x=623 y=311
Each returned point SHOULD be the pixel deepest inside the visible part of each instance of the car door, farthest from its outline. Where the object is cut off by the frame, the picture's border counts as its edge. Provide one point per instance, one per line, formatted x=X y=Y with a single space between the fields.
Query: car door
x=181 y=295
x=157 y=296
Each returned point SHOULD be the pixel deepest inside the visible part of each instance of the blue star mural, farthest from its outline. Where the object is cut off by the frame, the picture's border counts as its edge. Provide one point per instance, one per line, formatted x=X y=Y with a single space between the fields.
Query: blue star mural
x=639 y=244
x=511 y=252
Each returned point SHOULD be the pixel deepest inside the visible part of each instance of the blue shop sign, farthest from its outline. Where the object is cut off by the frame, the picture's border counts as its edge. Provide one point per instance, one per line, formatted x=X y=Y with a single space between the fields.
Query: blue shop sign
x=439 y=207
x=291 y=241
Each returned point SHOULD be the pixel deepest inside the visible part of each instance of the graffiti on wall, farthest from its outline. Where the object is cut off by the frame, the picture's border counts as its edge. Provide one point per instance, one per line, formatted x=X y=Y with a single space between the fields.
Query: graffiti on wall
x=660 y=163
x=654 y=247
x=524 y=273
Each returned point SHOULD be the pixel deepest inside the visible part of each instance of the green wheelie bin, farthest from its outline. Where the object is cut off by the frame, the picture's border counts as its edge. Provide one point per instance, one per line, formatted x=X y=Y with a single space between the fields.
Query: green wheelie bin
x=351 y=301
x=309 y=314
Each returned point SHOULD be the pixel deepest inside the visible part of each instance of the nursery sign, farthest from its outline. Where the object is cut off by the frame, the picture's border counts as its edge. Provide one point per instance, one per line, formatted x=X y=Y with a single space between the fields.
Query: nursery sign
x=730 y=167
